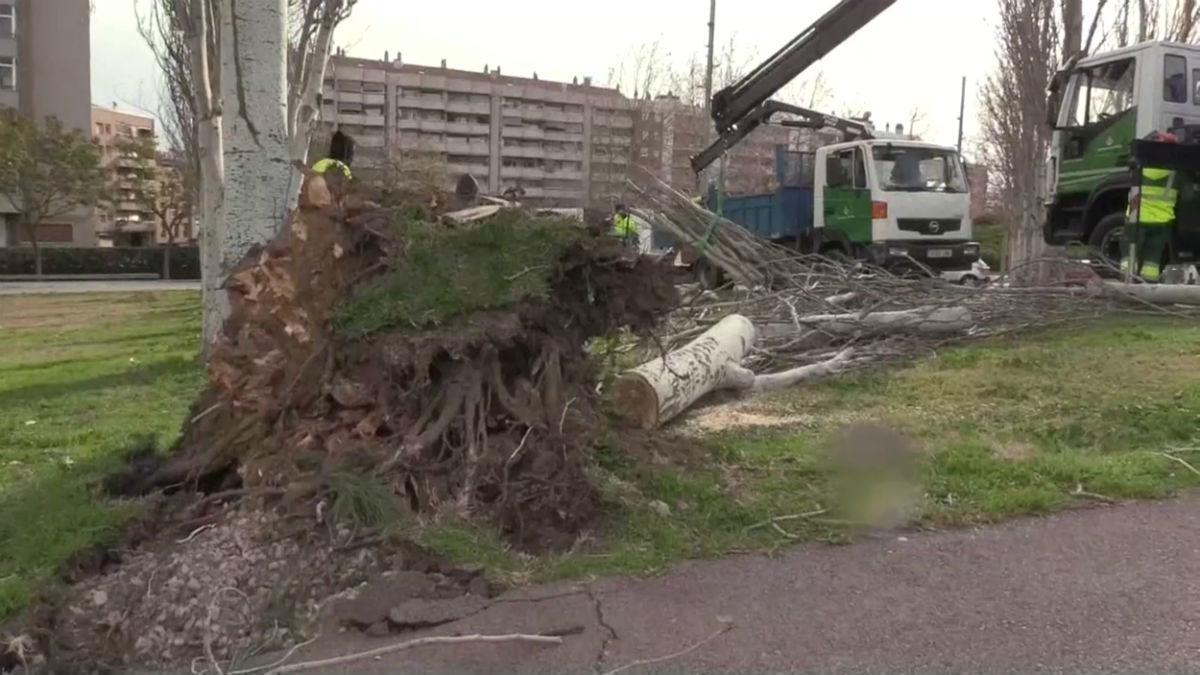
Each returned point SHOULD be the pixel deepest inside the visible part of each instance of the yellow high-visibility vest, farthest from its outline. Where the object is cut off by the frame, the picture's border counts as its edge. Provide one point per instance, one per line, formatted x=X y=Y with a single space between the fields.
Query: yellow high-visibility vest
x=1158 y=197
x=624 y=227
x=326 y=164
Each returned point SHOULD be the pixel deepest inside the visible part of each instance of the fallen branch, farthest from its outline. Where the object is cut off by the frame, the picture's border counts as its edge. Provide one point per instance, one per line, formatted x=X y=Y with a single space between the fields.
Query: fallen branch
x=1157 y=294
x=781 y=519
x=1182 y=461
x=660 y=659
x=1084 y=494
x=410 y=644
x=790 y=378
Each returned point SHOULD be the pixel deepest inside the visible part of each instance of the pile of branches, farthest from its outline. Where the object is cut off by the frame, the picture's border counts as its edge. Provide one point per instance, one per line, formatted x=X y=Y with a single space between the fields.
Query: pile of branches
x=810 y=311
x=341 y=366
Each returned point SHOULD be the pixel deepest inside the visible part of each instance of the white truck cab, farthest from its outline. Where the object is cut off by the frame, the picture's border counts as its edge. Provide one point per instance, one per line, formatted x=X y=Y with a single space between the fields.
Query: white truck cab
x=895 y=202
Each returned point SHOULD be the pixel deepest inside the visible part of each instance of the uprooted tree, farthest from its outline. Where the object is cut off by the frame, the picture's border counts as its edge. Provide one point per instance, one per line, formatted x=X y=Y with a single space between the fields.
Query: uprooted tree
x=447 y=364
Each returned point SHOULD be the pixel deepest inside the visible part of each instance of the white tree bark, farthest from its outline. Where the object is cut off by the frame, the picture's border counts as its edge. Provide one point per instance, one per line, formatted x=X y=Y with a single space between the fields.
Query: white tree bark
x=304 y=111
x=656 y=392
x=257 y=168
x=793 y=377
x=923 y=320
x=1158 y=294
x=210 y=151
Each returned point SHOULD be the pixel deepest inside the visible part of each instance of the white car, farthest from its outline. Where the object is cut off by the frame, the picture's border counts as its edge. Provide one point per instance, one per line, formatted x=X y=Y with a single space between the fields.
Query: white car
x=978 y=275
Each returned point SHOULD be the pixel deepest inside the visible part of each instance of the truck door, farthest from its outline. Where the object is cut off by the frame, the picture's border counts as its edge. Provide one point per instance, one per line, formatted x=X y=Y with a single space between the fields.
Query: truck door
x=846 y=197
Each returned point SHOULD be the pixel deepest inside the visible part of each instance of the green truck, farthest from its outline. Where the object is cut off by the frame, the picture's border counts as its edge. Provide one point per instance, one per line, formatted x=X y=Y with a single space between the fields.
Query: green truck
x=1099 y=106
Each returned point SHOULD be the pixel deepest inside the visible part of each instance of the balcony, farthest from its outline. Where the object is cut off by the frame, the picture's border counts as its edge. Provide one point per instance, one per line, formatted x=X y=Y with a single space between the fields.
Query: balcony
x=469 y=107
x=518 y=151
x=523 y=132
x=421 y=102
x=476 y=170
x=468 y=128
x=521 y=172
x=460 y=147
x=372 y=120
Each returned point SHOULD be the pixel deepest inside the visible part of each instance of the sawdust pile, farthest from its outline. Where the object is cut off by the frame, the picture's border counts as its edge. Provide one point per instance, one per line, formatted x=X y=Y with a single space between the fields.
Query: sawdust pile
x=445 y=366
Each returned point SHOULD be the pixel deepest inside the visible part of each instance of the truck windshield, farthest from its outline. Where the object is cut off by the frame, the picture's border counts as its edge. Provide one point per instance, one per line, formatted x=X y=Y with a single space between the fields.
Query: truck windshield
x=1101 y=93
x=910 y=169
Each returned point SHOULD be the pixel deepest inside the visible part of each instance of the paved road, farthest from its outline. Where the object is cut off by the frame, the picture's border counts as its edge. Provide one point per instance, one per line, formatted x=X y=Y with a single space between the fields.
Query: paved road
x=1103 y=590
x=36 y=287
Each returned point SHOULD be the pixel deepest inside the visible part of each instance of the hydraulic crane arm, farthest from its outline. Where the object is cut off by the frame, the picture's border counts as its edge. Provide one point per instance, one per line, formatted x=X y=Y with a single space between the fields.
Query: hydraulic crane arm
x=736 y=103
x=809 y=119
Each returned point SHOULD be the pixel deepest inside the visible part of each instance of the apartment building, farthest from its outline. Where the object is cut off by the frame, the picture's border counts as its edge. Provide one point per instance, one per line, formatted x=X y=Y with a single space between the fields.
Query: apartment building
x=552 y=142
x=45 y=70
x=129 y=219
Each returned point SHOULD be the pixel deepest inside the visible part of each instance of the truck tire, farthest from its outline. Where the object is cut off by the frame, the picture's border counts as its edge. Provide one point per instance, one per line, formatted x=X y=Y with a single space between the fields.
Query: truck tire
x=1106 y=238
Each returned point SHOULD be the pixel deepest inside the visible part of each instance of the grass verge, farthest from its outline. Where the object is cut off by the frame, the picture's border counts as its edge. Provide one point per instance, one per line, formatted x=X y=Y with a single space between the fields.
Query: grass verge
x=82 y=379
x=1009 y=428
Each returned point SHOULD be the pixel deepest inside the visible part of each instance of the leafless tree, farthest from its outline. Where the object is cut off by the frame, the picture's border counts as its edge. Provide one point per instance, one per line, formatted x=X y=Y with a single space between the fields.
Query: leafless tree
x=185 y=36
x=1014 y=119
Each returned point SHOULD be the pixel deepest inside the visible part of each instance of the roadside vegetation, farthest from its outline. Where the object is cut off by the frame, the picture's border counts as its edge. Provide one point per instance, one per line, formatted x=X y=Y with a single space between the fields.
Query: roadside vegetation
x=83 y=379
x=1009 y=428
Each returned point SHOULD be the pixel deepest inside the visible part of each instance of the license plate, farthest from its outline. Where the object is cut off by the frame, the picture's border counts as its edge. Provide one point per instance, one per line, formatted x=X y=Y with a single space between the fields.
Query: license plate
x=941 y=253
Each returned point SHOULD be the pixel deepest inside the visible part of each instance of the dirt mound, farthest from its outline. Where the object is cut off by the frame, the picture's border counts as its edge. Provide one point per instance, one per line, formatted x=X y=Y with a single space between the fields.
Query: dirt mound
x=369 y=358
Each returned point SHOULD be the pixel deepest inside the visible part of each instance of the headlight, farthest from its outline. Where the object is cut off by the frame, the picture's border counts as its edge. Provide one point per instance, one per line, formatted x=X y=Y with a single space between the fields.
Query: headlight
x=898 y=252
x=971 y=249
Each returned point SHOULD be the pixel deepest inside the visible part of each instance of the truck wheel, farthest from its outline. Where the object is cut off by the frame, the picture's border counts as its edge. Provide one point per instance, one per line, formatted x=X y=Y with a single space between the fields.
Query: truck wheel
x=1106 y=238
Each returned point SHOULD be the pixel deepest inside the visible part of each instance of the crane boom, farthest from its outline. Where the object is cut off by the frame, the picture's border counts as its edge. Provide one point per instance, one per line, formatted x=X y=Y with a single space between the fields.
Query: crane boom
x=739 y=101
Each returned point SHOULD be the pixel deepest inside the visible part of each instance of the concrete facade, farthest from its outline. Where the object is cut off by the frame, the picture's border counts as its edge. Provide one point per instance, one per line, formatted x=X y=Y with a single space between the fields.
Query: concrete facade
x=129 y=220
x=561 y=144
x=510 y=133
x=45 y=71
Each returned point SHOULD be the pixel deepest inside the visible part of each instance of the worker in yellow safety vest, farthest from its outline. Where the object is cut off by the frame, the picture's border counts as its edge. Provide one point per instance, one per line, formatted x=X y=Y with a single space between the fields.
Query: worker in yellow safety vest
x=1149 y=220
x=624 y=227
x=341 y=153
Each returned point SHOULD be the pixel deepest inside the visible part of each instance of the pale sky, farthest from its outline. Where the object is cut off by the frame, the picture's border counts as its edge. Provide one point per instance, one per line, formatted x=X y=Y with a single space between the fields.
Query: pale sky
x=913 y=56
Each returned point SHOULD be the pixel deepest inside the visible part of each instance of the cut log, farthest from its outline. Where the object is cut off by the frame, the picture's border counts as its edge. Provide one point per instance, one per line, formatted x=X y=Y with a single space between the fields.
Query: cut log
x=1157 y=294
x=924 y=320
x=655 y=392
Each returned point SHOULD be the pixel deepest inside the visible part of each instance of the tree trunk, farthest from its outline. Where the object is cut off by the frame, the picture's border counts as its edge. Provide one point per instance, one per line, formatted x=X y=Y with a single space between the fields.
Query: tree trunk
x=1072 y=14
x=253 y=127
x=37 y=256
x=923 y=320
x=211 y=162
x=656 y=392
x=305 y=113
x=166 y=268
x=1157 y=294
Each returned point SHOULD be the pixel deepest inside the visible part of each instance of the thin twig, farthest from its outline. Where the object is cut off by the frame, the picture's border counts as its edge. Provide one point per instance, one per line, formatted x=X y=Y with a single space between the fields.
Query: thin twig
x=527 y=270
x=782 y=519
x=1181 y=461
x=647 y=662
x=409 y=644
x=195 y=533
x=1080 y=492
x=280 y=661
x=513 y=457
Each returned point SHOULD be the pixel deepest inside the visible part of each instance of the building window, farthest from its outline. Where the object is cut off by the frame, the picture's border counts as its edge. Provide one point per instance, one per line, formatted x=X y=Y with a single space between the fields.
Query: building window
x=8 y=20
x=8 y=72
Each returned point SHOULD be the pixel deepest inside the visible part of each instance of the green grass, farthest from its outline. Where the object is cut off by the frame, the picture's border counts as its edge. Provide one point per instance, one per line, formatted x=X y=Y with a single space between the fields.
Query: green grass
x=1004 y=429
x=82 y=379
x=992 y=239
x=452 y=272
